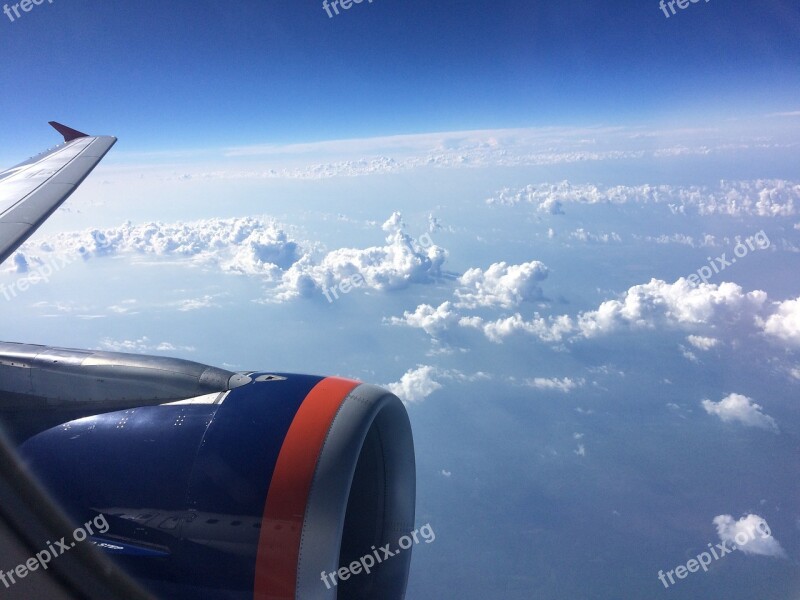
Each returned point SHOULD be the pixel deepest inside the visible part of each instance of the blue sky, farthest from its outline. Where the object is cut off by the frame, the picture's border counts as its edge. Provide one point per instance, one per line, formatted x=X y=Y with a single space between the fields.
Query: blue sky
x=187 y=75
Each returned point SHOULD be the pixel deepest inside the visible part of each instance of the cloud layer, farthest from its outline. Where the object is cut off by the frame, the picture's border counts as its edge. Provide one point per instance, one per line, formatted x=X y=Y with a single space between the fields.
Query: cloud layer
x=762 y=198
x=501 y=285
x=724 y=308
x=259 y=247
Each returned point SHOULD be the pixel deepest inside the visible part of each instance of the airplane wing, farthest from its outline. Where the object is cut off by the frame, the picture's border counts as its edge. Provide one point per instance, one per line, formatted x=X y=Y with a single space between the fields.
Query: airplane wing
x=31 y=191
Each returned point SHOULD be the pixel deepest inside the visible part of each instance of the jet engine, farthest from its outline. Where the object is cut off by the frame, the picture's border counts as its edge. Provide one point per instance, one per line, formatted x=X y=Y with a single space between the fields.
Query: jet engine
x=220 y=485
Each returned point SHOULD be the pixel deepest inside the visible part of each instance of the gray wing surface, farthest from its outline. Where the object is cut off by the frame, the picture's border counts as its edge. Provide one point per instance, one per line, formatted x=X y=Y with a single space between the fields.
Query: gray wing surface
x=31 y=191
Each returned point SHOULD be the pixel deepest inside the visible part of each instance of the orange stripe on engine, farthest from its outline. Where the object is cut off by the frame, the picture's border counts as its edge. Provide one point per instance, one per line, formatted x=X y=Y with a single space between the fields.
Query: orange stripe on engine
x=284 y=511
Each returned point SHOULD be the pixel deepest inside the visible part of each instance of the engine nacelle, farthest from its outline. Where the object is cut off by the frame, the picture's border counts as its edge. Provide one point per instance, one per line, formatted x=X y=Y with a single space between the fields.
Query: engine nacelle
x=253 y=492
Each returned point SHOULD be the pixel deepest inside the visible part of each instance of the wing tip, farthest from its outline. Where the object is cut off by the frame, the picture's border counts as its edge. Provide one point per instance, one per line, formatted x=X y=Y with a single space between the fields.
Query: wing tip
x=68 y=132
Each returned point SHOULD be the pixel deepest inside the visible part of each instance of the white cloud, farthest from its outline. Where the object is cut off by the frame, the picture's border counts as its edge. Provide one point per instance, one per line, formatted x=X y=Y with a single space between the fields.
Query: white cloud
x=676 y=238
x=265 y=251
x=61 y=306
x=416 y=384
x=433 y=321
x=190 y=304
x=434 y=224
x=401 y=262
x=702 y=343
x=724 y=309
x=250 y=245
x=785 y=322
x=258 y=247
x=750 y=534
x=461 y=377
x=677 y=304
x=739 y=408
x=647 y=306
x=582 y=235
x=688 y=354
x=455 y=150
x=548 y=329
x=501 y=285
x=126 y=307
x=581 y=451
x=142 y=345
x=565 y=385
x=765 y=198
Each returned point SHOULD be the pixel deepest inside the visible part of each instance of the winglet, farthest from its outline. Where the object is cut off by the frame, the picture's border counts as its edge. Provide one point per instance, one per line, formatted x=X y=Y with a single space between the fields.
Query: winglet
x=68 y=132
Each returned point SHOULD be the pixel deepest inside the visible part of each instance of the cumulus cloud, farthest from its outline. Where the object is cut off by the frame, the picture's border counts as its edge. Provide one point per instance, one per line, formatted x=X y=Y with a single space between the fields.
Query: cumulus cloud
x=433 y=321
x=750 y=534
x=723 y=309
x=561 y=385
x=501 y=285
x=250 y=245
x=646 y=306
x=402 y=261
x=261 y=247
x=676 y=304
x=741 y=409
x=264 y=250
x=416 y=384
x=547 y=329
x=784 y=323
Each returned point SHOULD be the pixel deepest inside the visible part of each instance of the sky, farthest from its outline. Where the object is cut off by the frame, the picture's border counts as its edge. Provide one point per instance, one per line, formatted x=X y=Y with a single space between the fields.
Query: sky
x=543 y=203
x=186 y=75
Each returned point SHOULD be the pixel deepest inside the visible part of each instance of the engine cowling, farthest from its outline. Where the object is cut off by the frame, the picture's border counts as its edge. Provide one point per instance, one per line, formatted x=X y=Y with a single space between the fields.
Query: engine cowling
x=254 y=492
